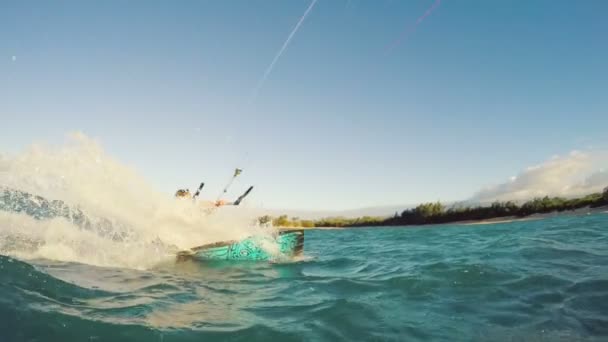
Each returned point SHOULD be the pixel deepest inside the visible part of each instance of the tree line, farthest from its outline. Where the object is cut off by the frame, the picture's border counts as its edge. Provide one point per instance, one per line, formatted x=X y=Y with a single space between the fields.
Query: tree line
x=436 y=212
x=285 y=221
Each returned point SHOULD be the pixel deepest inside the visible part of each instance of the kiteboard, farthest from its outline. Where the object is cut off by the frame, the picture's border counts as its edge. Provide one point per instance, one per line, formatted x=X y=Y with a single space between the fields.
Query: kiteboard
x=287 y=243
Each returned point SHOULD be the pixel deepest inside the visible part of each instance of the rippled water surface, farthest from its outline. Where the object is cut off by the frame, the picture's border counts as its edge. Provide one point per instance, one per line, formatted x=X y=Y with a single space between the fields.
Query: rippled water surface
x=541 y=280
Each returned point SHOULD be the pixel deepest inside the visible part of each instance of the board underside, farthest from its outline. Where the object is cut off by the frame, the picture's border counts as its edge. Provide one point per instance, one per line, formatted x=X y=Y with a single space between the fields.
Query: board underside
x=287 y=244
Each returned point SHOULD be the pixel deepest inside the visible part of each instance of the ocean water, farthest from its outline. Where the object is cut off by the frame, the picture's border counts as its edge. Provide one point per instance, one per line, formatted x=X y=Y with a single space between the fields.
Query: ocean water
x=542 y=280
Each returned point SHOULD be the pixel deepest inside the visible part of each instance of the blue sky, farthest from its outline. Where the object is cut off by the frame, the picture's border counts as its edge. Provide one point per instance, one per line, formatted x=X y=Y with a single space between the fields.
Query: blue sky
x=477 y=92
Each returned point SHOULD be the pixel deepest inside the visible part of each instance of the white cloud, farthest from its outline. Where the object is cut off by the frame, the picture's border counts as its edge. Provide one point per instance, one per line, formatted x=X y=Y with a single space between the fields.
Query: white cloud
x=573 y=175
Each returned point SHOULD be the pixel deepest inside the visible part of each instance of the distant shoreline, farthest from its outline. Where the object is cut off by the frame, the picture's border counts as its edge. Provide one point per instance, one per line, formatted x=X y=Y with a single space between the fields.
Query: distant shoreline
x=496 y=220
x=502 y=220
x=434 y=213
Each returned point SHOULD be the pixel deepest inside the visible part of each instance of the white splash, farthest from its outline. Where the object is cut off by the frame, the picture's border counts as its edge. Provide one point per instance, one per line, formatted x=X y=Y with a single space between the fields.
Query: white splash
x=82 y=175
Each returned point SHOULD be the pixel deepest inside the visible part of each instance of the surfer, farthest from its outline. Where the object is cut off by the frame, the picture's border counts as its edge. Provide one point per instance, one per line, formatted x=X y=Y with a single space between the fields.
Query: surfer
x=185 y=194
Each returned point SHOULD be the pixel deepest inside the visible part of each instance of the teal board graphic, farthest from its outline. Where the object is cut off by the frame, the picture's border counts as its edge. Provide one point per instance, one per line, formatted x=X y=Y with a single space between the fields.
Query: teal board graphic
x=287 y=244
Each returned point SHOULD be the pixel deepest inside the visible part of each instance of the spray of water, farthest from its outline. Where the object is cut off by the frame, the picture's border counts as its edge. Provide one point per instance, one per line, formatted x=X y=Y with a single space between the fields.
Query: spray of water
x=150 y=226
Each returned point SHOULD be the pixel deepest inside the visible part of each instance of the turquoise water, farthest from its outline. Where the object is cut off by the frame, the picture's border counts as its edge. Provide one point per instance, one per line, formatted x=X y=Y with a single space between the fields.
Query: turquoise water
x=542 y=280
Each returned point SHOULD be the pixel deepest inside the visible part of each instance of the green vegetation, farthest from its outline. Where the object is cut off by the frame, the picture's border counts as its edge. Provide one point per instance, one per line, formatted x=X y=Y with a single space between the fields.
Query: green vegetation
x=284 y=221
x=433 y=213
